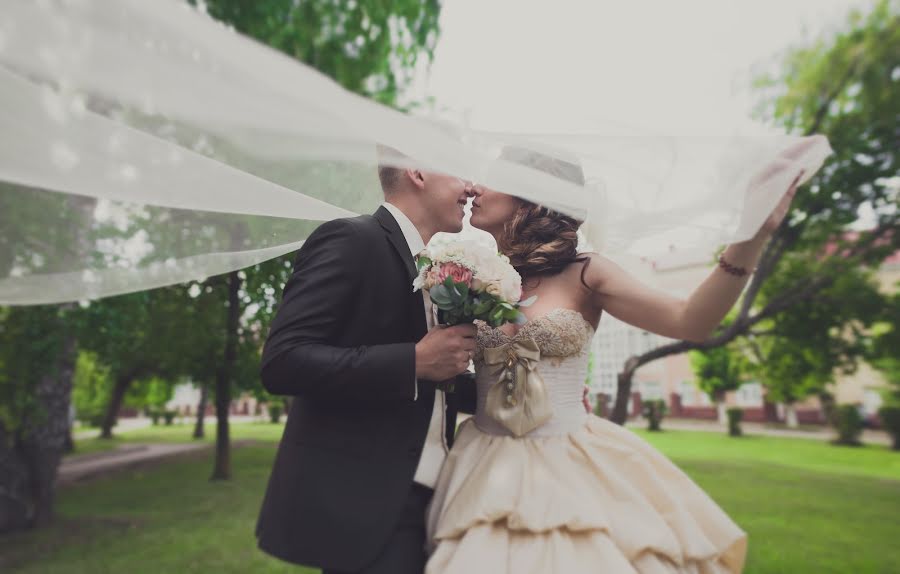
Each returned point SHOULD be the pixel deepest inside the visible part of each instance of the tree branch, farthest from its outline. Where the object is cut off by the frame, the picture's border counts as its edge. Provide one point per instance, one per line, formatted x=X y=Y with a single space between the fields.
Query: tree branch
x=803 y=290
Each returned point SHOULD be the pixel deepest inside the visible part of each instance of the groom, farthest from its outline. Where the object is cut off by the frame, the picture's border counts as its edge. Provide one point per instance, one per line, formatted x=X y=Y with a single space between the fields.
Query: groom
x=368 y=428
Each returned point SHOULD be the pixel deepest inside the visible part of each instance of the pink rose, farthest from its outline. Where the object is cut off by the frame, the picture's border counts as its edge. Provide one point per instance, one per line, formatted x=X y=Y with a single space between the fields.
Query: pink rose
x=459 y=273
x=432 y=277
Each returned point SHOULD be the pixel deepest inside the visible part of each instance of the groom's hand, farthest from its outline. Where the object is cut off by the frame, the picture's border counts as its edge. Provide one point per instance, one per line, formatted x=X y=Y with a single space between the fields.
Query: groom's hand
x=445 y=352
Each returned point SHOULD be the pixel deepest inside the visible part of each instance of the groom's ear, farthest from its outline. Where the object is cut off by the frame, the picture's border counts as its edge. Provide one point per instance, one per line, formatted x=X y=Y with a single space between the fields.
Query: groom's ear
x=416 y=177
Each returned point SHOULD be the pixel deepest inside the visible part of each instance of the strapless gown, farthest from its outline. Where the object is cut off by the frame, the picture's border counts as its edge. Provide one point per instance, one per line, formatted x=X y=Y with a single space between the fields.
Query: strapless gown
x=533 y=484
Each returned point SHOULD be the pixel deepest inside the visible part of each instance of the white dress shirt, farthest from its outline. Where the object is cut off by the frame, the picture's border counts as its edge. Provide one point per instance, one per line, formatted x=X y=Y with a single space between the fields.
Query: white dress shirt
x=435 y=449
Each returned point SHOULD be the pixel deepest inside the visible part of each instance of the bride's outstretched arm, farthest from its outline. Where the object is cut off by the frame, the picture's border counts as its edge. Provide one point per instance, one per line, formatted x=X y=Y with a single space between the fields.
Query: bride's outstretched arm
x=624 y=297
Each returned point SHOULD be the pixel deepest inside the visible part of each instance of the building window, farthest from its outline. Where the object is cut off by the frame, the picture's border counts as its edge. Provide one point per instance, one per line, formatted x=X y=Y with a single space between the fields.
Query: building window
x=651 y=390
x=871 y=402
x=749 y=395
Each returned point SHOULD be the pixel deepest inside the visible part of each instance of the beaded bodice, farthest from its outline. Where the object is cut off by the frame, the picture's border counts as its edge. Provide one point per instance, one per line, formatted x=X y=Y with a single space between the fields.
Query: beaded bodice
x=535 y=378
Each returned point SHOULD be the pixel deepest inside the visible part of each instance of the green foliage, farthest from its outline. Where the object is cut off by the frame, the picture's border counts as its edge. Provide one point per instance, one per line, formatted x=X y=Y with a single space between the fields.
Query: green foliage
x=31 y=340
x=91 y=389
x=844 y=87
x=153 y=393
x=367 y=46
x=460 y=306
x=718 y=370
x=884 y=347
x=805 y=345
x=821 y=297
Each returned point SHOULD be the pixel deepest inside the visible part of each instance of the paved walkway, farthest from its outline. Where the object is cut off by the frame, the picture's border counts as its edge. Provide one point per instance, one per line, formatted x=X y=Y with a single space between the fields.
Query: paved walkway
x=127 y=424
x=825 y=433
x=80 y=467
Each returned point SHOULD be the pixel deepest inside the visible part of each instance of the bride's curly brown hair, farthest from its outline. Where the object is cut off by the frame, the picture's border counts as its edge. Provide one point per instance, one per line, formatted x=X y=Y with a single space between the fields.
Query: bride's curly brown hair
x=539 y=241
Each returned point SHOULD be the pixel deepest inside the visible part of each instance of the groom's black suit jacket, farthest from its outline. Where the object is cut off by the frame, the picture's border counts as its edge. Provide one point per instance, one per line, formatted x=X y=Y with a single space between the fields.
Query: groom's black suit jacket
x=343 y=345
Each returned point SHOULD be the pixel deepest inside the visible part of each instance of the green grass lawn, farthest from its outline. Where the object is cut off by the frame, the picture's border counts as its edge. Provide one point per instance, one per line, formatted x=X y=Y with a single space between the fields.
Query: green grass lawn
x=808 y=507
x=816 y=456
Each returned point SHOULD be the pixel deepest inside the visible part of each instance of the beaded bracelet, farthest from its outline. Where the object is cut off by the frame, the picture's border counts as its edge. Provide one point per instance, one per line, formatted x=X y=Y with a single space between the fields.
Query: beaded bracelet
x=731 y=269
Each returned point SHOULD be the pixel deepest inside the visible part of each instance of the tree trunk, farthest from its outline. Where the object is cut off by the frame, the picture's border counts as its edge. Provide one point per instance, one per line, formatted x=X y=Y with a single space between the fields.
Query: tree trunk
x=114 y=405
x=201 y=411
x=720 y=408
x=623 y=393
x=29 y=461
x=15 y=506
x=790 y=415
x=721 y=415
x=44 y=446
x=224 y=375
x=829 y=408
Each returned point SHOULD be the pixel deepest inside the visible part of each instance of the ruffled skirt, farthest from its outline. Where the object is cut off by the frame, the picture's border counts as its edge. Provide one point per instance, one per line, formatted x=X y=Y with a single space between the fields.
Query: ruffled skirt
x=596 y=500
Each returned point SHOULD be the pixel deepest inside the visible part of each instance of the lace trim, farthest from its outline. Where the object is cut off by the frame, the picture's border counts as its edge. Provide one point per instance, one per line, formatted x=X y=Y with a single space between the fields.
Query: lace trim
x=558 y=333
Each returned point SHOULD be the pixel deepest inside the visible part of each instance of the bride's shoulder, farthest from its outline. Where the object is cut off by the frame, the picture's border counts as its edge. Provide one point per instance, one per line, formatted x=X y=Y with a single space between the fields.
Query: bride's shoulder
x=591 y=270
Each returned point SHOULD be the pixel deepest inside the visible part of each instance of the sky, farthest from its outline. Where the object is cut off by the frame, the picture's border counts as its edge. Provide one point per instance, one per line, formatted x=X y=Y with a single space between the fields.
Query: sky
x=501 y=64
x=680 y=67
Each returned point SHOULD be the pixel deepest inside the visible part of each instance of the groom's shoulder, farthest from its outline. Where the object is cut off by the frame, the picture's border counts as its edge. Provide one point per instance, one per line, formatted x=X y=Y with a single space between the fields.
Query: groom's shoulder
x=352 y=229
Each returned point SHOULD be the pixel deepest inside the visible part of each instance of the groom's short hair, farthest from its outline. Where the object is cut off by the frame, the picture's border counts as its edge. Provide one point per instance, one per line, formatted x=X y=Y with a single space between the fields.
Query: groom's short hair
x=392 y=162
x=389 y=173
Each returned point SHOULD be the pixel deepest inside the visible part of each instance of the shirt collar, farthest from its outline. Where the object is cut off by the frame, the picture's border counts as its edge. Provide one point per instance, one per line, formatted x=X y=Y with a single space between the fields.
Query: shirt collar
x=410 y=233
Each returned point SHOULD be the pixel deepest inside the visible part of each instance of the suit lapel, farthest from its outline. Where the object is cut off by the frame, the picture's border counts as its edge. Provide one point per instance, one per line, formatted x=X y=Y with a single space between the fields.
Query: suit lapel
x=398 y=242
x=395 y=236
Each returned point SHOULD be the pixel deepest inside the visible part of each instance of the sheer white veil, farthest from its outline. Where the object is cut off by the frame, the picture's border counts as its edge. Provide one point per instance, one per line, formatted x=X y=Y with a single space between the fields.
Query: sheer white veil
x=145 y=144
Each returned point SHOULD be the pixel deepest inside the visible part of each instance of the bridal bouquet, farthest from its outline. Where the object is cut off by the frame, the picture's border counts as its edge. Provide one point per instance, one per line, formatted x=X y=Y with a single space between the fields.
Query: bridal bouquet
x=467 y=281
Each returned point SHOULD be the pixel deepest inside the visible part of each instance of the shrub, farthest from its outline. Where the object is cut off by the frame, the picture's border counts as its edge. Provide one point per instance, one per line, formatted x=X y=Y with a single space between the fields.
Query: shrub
x=849 y=425
x=890 y=420
x=654 y=411
x=275 y=413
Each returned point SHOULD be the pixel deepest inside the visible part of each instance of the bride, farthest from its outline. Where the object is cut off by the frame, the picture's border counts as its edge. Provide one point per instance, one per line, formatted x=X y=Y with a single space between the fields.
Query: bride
x=567 y=492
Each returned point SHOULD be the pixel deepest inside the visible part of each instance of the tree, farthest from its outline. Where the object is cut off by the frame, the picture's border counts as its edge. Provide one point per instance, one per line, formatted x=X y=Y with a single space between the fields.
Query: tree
x=90 y=389
x=38 y=351
x=369 y=47
x=884 y=348
x=844 y=88
x=799 y=350
x=138 y=337
x=37 y=361
x=718 y=370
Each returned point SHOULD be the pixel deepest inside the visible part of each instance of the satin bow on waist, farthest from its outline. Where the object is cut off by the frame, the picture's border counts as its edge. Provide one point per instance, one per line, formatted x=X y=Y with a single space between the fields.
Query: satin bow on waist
x=518 y=400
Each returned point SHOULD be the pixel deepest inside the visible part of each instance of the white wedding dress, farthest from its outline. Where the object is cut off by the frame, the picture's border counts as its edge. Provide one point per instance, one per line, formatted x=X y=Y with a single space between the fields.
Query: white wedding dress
x=535 y=485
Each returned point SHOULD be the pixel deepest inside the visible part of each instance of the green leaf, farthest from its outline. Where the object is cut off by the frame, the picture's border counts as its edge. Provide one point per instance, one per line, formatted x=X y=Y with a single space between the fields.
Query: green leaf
x=422 y=261
x=528 y=302
x=482 y=307
x=440 y=296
